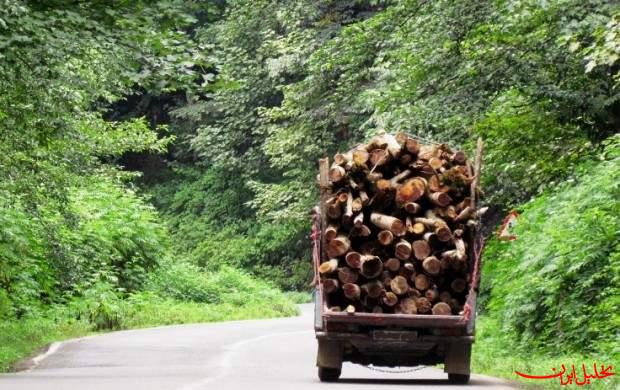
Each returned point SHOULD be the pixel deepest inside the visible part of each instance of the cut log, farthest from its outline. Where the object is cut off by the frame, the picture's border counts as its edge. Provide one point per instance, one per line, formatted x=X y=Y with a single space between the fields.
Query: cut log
x=350 y=309
x=330 y=286
x=386 y=278
x=465 y=214
x=410 y=191
x=387 y=222
x=336 y=173
x=435 y=163
x=358 y=220
x=371 y=266
x=385 y=237
x=432 y=294
x=352 y=291
x=389 y=299
x=418 y=228
x=335 y=309
x=440 y=199
x=442 y=309
x=412 y=146
x=458 y=285
x=392 y=264
x=357 y=205
x=421 y=282
x=342 y=158
x=379 y=157
x=412 y=208
x=360 y=157
x=424 y=306
x=402 y=250
x=394 y=182
x=443 y=232
x=364 y=198
x=377 y=309
x=353 y=259
x=399 y=285
x=338 y=246
x=361 y=231
x=328 y=267
x=454 y=305
x=421 y=249
x=432 y=265
x=458 y=158
x=445 y=296
x=334 y=211
x=331 y=231
x=405 y=159
x=383 y=185
x=406 y=306
x=347 y=275
x=373 y=289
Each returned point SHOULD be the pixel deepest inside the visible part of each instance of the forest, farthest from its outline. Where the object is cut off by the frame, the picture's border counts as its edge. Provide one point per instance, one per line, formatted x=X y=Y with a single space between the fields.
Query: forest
x=158 y=159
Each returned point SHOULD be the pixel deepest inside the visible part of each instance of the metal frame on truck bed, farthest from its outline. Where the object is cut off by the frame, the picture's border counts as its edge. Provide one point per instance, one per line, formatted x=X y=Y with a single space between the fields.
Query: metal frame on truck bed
x=403 y=340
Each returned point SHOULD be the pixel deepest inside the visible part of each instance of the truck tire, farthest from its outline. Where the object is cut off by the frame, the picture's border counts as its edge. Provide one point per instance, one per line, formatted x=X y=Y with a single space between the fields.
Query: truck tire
x=458 y=379
x=329 y=374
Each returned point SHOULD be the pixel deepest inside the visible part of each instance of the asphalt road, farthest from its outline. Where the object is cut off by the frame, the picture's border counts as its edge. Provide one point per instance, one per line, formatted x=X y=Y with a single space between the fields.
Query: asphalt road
x=249 y=355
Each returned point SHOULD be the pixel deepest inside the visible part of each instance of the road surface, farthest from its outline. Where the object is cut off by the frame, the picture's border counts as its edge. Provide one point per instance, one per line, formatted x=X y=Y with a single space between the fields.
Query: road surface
x=248 y=355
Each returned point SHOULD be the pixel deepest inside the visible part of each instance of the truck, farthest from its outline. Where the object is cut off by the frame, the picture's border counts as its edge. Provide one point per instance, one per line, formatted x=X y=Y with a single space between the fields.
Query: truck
x=392 y=339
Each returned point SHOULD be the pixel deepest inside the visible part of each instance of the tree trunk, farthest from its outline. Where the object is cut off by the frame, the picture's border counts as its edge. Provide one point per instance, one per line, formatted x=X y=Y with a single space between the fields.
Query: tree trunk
x=424 y=306
x=328 y=267
x=399 y=285
x=421 y=249
x=347 y=275
x=442 y=309
x=385 y=237
x=403 y=250
x=371 y=266
x=410 y=191
x=389 y=299
x=387 y=222
x=338 y=246
x=352 y=291
x=406 y=306
x=353 y=259
x=331 y=231
x=373 y=289
x=392 y=264
x=431 y=265
x=330 y=286
x=421 y=282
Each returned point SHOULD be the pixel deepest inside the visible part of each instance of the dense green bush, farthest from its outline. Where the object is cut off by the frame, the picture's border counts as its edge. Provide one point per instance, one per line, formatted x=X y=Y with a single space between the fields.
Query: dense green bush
x=560 y=279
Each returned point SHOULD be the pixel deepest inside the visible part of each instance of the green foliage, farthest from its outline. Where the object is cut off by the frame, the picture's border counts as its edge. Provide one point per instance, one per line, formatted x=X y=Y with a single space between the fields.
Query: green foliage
x=527 y=149
x=559 y=281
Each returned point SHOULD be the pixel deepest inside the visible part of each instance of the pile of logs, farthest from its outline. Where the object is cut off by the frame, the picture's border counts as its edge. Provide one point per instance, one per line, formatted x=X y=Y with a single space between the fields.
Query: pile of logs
x=397 y=221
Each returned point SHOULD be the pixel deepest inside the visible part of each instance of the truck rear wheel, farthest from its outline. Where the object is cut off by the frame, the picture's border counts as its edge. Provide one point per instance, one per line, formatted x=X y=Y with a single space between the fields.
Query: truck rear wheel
x=329 y=374
x=458 y=379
